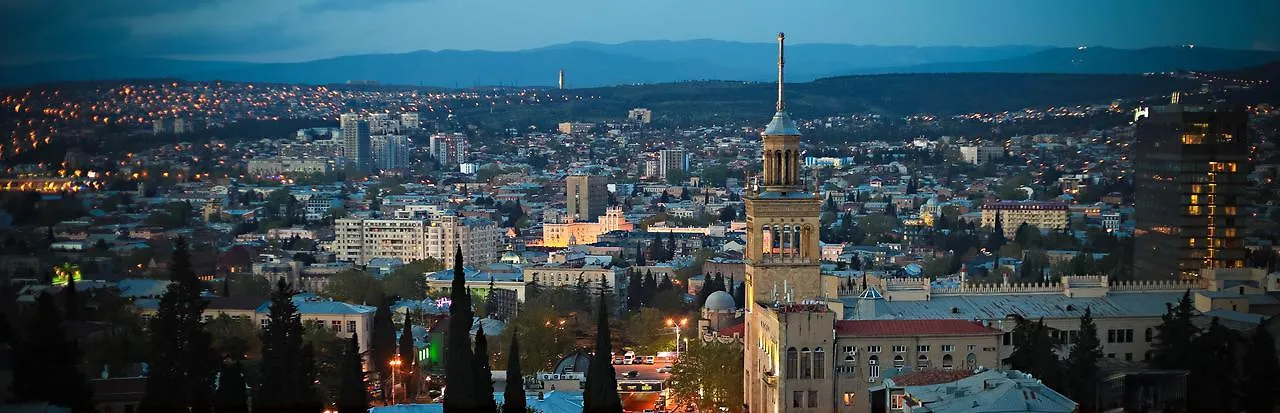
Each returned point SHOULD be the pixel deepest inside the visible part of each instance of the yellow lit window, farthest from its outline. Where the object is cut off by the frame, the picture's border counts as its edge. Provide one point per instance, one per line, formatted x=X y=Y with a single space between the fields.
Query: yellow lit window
x=1193 y=210
x=1230 y=210
x=1195 y=199
x=1229 y=232
x=1196 y=188
x=1191 y=242
x=1226 y=137
x=1192 y=138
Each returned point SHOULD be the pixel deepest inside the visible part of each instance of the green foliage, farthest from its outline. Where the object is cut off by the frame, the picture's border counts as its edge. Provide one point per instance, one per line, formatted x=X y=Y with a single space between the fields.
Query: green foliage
x=543 y=327
x=354 y=396
x=1215 y=372
x=46 y=363
x=173 y=215
x=234 y=339
x=648 y=332
x=183 y=362
x=288 y=366
x=459 y=373
x=676 y=176
x=513 y=395
x=1260 y=366
x=709 y=374
x=1033 y=352
x=1082 y=363
x=231 y=396
x=1172 y=348
x=354 y=286
x=600 y=394
x=714 y=175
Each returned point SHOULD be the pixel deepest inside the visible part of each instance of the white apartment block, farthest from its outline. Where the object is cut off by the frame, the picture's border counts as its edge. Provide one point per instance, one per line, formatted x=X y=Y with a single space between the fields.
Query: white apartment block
x=361 y=240
x=981 y=154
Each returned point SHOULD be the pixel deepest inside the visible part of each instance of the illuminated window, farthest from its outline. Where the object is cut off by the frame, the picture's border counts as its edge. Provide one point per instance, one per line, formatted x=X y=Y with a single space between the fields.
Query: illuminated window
x=1192 y=138
x=1230 y=210
x=1195 y=188
x=1193 y=210
x=1229 y=232
x=850 y=399
x=1195 y=199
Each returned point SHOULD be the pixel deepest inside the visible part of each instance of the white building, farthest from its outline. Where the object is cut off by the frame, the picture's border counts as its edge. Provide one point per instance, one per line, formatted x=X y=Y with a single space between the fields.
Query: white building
x=574 y=128
x=640 y=115
x=361 y=240
x=390 y=151
x=410 y=121
x=449 y=148
x=981 y=154
x=273 y=167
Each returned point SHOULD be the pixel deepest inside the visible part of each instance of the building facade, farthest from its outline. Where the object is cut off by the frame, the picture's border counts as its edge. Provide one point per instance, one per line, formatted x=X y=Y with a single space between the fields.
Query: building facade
x=390 y=151
x=273 y=167
x=356 y=145
x=1045 y=215
x=981 y=154
x=566 y=232
x=449 y=148
x=1190 y=180
x=585 y=196
x=671 y=159
x=361 y=240
x=640 y=115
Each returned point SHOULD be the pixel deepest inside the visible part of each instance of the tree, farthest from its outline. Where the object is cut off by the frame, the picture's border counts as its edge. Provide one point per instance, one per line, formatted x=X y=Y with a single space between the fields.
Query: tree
x=513 y=396
x=1033 y=352
x=71 y=299
x=1172 y=348
x=354 y=286
x=728 y=213
x=483 y=374
x=46 y=363
x=639 y=256
x=383 y=344
x=183 y=366
x=1082 y=363
x=601 y=392
x=649 y=289
x=231 y=396
x=353 y=398
x=461 y=396
x=709 y=374
x=407 y=359
x=656 y=251
x=634 y=286
x=647 y=332
x=284 y=383
x=1260 y=367
x=666 y=284
x=671 y=246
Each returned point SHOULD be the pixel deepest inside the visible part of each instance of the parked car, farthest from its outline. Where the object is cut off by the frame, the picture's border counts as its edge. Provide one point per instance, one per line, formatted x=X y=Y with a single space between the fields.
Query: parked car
x=649 y=359
x=632 y=374
x=664 y=369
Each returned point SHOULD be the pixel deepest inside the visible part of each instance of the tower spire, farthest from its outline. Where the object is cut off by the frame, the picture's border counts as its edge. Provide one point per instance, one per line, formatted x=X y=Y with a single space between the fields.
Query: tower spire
x=781 y=62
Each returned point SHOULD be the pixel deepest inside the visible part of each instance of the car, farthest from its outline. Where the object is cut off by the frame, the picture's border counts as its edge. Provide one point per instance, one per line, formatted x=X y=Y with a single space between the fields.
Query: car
x=649 y=359
x=689 y=408
x=617 y=360
x=648 y=411
x=664 y=369
x=632 y=374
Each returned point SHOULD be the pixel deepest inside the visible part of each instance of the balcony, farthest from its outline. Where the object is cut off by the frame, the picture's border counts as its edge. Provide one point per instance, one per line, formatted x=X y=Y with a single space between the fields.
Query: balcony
x=770 y=379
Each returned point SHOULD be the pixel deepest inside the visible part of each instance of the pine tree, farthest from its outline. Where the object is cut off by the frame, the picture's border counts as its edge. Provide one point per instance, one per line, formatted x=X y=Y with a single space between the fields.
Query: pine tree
x=601 y=392
x=1260 y=367
x=382 y=347
x=513 y=396
x=1082 y=363
x=183 y=364
x=1172 y=347
x=282 y=371
x=1033 y=352
x=458 y=372
x=353 y=397
x=666 y=284
x=657 y=252
x=634 y=286
x=740 y=295
x=408 y=361
x=650 y=289
x=639 y=256
x=231 y=396
x=309 y=394
x=71 y=299
x=1214 y=372
x=46 y=363
x=483 y=374
x=671 y=246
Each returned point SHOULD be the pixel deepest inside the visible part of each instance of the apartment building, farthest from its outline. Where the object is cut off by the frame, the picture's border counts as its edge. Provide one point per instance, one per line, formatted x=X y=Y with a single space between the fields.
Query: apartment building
x=360 y=240
x=1045 y=215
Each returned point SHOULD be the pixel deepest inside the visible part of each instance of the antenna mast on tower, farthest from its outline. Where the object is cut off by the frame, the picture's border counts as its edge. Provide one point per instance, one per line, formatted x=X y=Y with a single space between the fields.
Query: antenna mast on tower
x=781 y=62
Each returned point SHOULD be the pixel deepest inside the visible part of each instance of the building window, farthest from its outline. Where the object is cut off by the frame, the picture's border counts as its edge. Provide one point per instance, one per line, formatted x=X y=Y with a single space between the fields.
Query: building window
x=819 y=363
x=351 y=326
x=264 y=323
x=1111 y=336
x=899 y=349
x=899 y=362
x=922 y=361
x=850 y=398
x=946 y=361
x=336 y=325
x=924 y=348
x=849 y=349
x=947 y=348
x=813 y=398
x=873 y=349
x=797 y=399
x=793 y=367
x=1007 y=340
x=971 y=361
x=1147 y=336
x=1128 y=356
x=873 y=367
x=806 y=369
x=1128 y=335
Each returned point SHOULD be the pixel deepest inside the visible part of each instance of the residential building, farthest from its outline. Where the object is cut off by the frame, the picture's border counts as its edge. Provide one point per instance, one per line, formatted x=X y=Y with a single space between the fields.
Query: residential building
x=317 y=207
x=480 y=281
x=981 y=154
x=355 y=143
x=568 y=268
x=390 y=151
x=1045 y=215
x=360 y=240
x=381 y=124
x=283 y=166
x=671 y=159
x=410 y=121
x=449 y=148
x=585 y=196
x=479 y=238
x=1190 y=180
x=574 y=128
x=567 y=231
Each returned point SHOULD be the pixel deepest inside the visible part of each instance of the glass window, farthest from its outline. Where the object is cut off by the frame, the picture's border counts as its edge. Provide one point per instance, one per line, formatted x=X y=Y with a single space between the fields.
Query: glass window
x=850 y=398
x=922 y=361
x=806 y=368
x=946 y=361
x=873 y=367
x=797 y=399
x=813 y=398
x=899 y=362
x=819 y=363
x=351 y=326
x=793 y=357
x=336 y=325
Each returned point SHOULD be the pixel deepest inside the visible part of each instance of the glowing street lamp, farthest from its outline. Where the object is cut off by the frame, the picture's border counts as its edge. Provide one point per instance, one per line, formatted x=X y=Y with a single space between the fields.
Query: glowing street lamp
x=677 y=325
x=395 y=365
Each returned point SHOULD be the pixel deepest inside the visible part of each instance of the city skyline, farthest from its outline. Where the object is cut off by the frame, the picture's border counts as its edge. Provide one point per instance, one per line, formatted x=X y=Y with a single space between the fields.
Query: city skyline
x=249 y=31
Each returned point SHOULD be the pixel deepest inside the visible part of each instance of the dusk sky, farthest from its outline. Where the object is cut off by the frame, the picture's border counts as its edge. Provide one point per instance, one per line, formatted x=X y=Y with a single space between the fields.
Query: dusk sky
x=293 y=30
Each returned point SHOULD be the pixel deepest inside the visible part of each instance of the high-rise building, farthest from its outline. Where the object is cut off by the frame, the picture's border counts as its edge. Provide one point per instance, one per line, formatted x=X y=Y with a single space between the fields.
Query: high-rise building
x=381 y=124
x=671 y=159
x=640 y=115
x=355 y=143
x=449 y=148
x=1190 y=180
x=782 y=260
x=981 y=153
x=586 y=196
x=390 y=151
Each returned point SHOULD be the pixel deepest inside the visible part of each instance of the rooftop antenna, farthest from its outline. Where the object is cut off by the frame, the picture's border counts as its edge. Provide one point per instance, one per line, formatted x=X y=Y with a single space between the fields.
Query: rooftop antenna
x=781 y=62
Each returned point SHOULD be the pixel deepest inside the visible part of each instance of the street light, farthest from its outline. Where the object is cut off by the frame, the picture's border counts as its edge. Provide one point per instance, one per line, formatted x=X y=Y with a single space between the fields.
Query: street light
x=677 y=325
x=395 y=365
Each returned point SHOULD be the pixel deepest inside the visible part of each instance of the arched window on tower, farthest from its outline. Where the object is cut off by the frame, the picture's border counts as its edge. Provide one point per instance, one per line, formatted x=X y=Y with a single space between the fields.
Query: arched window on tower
x=819 y=363
x=792 y=362
x=806 y=368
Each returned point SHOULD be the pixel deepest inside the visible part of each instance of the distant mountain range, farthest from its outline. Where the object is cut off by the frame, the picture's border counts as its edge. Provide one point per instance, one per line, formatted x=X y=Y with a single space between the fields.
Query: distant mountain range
x=589 y=64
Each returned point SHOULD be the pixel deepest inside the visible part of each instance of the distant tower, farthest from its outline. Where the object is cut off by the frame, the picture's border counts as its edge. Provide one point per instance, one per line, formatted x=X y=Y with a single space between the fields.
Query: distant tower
x=562 y=79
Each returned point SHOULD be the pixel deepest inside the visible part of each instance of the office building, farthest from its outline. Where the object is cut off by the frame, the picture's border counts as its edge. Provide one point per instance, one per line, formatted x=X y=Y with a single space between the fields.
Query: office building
x=672 y=159
x=1190 y=180
x=574 y=128
x=390 y=151
x=585 y=196
x=981 y=154
x=449 y=148
x=355 y=143
x=640 y=115
x=1045 y=215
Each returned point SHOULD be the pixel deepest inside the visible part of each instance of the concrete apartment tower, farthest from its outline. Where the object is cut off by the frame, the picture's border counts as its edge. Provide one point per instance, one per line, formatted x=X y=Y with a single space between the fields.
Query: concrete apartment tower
x=585 y=197
x=356 y=143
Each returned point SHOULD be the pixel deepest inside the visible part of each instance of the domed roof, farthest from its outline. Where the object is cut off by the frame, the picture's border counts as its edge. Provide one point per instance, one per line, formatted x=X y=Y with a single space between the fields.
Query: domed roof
x=575 y=362
x=720 y=301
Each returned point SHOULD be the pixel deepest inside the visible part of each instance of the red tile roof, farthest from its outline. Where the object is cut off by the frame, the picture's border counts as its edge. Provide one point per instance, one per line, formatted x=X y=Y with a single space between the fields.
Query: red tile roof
x=740 y=329
x=932 y=376
x=896 y=328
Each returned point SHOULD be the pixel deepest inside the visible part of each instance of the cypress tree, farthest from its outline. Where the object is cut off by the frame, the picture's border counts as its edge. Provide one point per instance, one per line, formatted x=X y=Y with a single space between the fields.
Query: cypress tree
x=513 y=396
x=650 y=289
x=183 y=363
x=46 y=363
x=1082 y=363
x=634 y=286
x=408 y=363
x=1172 y=348
x=639 y=256
x=231 y=396
x=461 y=393
x=666 y=284
x=353 y=398
x=1260 y=367
x=1033 y=352
x=1214 y=372
x=656 y=251
x=282 y=370
x=383 y=344
x=483 y=374
x=309 y=395
x=601 y=392
x=740 y=295
x=71 y=299
x=671 y=246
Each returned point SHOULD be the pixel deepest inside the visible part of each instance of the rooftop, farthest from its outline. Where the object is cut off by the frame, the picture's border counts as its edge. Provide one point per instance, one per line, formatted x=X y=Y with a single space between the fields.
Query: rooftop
x=891 y=328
